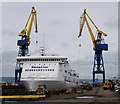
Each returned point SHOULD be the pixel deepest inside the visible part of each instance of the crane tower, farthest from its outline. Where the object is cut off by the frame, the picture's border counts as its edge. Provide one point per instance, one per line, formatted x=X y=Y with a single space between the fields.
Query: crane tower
x=24 y=42
x=98 y=45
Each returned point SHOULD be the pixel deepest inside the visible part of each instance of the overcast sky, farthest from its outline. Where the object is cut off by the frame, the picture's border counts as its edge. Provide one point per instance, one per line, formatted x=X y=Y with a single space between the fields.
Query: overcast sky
x=58 y=28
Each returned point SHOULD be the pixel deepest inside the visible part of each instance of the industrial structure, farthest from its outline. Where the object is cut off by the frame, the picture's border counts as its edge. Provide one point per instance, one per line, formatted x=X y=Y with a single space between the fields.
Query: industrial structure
x=24 y=42
x=35 y=71
x=98 y=45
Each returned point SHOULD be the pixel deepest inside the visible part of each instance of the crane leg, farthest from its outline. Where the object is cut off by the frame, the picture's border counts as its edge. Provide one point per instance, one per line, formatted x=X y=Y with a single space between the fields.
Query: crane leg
x=98 y=67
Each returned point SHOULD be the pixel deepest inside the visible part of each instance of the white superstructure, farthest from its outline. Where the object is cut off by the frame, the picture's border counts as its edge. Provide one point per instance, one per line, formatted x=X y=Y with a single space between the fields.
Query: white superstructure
x=52 y=71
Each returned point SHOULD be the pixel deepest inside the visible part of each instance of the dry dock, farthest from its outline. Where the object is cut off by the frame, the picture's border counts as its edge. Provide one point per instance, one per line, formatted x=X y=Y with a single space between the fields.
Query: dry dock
x=97 y=96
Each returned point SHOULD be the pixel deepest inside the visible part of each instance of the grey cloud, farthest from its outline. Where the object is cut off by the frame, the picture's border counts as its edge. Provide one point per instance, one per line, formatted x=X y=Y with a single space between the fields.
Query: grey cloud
x=8 y=33
x=8 y=63
x=111 y=23
x=64 y=45
x=55 y=22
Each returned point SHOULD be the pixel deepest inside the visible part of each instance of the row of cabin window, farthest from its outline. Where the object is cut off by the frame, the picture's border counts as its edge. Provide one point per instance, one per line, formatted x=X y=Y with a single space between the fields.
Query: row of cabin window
x=42 y=59
x=38 y=64
x=39 y=69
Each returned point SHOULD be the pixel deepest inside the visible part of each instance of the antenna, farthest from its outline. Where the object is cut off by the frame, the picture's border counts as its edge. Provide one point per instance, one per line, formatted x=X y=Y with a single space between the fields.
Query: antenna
x=42 y=47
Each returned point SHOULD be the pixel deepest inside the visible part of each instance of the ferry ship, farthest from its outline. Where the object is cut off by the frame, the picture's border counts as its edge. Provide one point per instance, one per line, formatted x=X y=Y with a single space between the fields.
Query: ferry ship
x=52 y=71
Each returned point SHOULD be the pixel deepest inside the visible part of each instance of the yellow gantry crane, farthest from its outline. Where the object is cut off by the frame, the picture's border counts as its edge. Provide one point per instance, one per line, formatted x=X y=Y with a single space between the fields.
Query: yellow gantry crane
x=98 y=46
x=24 y=42
x=25 y=34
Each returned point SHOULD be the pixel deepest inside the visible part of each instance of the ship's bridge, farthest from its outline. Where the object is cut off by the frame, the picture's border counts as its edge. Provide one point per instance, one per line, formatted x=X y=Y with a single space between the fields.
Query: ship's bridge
x=43 y=58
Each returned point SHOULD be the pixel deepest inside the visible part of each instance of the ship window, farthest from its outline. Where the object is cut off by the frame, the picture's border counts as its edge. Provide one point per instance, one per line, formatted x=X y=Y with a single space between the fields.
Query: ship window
x=65 y=71
x=74 y=74
x=43 y=69
x=48 y=70
x=34 y=69
x=53 y=69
